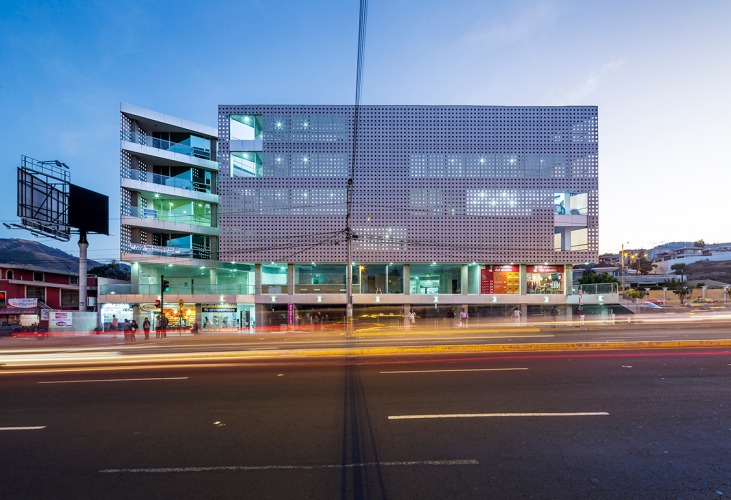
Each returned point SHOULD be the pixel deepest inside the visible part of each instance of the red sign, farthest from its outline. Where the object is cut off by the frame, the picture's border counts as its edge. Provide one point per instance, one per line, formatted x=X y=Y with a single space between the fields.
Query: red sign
x=500 y=279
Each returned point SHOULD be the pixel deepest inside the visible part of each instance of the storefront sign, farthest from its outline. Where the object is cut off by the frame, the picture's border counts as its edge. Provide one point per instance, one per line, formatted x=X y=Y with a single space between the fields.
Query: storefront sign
x=500 y=279
x=290 y=314
x=57 y=319
x=23 y=302
x=543 y=269
x=148 y=307
x=218 y=308
x=15 y=311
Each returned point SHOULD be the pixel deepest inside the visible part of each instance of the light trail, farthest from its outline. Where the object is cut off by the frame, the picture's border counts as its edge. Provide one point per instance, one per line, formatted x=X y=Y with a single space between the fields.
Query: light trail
x=499 y=415
x=457 y=370
x=165 y=470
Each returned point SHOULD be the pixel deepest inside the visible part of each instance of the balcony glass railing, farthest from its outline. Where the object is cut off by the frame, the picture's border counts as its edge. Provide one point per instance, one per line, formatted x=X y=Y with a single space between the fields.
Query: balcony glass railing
x=196 y=252
x=167 y=216
x=594 y=289
x=178 y=289
x=164 y=180
x=194 y=146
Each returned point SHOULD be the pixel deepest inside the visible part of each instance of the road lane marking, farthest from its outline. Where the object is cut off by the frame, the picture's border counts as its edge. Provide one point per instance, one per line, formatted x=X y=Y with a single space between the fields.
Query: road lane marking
x=158 y=470
x=26 y=428
x=457 y=370
x=487 y=415
x=112 y=380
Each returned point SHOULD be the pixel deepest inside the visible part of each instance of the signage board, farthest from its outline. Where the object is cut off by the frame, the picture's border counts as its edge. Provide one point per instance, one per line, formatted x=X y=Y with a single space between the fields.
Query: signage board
x=218 y=308
x=58 y=319
x=23 y=302
x=500 y=279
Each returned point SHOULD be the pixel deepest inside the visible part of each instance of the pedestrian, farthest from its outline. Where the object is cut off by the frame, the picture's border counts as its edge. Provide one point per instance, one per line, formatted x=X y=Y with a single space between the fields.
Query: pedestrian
x=133 y=331
x=412 y=317
x=195 y=327
x=115 y=323
x=450 y=316
x=554 y=315
x=464 y=318
x=516 y=315
x=165 y=324
x=146 y=328
x=158 y=327
x=582 y=315
x=126 y=329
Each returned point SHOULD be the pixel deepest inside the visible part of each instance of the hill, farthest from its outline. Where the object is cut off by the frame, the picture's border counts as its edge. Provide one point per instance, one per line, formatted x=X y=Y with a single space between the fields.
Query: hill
x=711 y=271
x=33 y=254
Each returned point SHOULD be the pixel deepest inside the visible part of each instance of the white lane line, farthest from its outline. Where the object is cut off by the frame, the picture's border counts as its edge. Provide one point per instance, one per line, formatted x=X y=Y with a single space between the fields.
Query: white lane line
x=111 y=380
x=289 y=467
x=487 y=415
x=26 y=428
x=457 y=370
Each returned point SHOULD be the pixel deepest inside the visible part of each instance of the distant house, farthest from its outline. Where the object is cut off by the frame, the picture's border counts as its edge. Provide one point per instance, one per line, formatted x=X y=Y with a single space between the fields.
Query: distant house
x=687 y=255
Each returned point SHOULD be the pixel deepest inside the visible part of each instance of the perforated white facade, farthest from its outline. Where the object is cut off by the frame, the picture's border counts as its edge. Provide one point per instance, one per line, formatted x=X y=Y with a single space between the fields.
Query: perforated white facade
x=457 y=184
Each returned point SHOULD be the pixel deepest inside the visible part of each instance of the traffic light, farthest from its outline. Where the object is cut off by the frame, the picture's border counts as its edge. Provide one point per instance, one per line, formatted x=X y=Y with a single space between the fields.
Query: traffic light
x=164 y=285
x=157 y=303
x=2 y=299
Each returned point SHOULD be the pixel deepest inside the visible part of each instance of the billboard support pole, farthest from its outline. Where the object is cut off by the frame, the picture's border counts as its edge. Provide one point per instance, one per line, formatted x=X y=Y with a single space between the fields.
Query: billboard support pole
x=83 y=246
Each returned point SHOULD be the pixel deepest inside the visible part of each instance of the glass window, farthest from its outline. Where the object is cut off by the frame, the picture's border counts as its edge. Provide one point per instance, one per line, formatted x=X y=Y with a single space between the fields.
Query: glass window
x=378 y=278
x=246 y=164
x=274 y=278
x=245 y=127
x=319 y=278
x=37 y=276
x=544 y=279
x=432 y=279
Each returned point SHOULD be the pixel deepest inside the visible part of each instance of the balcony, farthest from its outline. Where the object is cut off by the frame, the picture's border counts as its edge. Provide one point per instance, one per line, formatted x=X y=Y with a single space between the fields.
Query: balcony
x=174 y=182
x=175 y=216
x=194 y=146
x=195 y=252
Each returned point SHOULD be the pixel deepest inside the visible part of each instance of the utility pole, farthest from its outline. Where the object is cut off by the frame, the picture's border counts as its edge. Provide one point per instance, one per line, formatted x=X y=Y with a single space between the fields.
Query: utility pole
x=349 y=236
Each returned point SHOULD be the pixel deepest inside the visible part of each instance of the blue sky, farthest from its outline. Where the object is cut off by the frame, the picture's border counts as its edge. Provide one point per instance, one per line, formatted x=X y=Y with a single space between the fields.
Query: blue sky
x=658 y=70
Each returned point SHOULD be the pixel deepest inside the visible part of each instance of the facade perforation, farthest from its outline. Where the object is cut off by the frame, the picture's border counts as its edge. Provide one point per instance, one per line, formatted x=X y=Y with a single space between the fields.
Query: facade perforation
x=431 y=183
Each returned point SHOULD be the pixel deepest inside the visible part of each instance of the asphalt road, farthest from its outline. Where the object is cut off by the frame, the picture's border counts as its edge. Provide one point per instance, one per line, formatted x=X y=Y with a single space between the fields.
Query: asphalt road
x=630 y=424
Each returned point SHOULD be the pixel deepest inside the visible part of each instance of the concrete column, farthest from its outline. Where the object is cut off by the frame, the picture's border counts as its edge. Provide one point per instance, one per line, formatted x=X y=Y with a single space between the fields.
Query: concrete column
x=704 y=288
x=463 y=285
x=523 y=278
x=213 y=275
x=407 y=279
x=566 y=239
x=257 y=286
x=568 y=279
x=290 y=279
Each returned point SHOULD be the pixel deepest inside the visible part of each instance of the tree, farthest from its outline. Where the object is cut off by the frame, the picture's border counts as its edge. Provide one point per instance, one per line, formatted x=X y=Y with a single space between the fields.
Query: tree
x=591 y=278
x=679 y=269
x=699 y=243
x=678 y=287
x=113 y=270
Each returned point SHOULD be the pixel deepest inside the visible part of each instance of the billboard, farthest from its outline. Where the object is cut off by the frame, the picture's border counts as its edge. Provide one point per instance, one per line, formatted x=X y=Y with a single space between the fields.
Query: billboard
x=43 y=199
x=88 y=210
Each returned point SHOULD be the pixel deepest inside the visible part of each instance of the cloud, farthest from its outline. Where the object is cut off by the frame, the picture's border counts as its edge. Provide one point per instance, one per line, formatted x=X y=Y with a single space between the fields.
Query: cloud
x=590 y=84
x=515 y=30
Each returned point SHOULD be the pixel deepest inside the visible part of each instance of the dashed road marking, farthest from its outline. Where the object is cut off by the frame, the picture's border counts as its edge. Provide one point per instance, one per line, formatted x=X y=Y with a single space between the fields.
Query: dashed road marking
x=456 y=370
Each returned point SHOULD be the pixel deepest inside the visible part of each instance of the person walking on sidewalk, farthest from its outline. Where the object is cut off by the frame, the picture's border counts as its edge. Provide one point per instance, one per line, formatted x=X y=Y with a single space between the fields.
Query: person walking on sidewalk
x=146 y=328
x=464 y=318
x=516 y=315
x=554 y=315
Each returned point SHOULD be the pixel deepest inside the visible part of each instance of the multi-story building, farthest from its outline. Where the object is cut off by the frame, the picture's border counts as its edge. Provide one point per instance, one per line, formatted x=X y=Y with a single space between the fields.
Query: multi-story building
x=482 y=208
x=168 y=230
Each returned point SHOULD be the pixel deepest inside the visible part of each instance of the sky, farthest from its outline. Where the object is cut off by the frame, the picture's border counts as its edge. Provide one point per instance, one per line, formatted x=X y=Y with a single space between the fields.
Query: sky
x=658 y=70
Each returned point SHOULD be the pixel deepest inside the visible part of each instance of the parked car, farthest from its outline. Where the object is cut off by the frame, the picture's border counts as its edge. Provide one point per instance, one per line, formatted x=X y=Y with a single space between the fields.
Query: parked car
x=658 y=302
x=701 y=303
x=651 y=305
x=7 y=329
